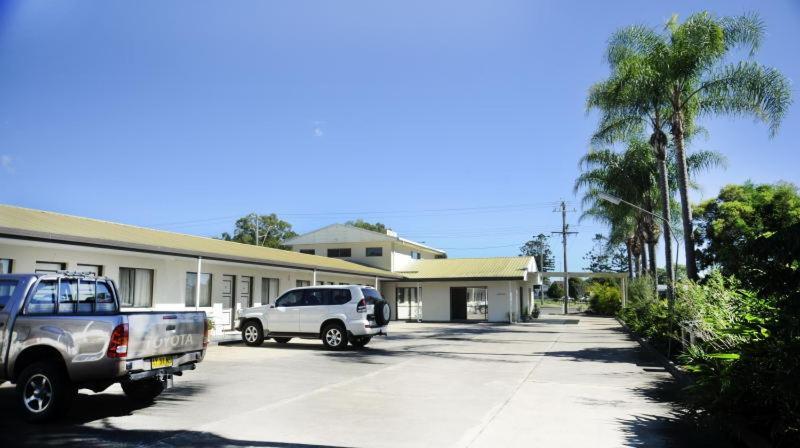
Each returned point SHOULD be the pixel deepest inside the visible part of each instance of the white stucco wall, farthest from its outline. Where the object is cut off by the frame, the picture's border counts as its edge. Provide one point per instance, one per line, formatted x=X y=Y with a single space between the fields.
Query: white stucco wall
x=436 y=297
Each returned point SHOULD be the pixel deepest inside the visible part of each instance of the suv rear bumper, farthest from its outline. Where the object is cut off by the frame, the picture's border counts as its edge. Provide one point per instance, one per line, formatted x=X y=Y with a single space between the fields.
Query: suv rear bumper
x=367 y=329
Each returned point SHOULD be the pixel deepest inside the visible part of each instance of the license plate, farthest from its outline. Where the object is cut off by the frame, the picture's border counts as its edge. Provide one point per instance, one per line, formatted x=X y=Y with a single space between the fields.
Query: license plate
x=161 y=362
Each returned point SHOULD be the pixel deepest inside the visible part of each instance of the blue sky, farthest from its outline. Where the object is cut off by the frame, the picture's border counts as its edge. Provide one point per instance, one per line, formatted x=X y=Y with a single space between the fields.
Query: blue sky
x=456 y=123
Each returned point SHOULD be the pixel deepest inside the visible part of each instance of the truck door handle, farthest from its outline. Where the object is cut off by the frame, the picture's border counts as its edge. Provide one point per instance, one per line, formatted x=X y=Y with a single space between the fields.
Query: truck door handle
x=170 y=327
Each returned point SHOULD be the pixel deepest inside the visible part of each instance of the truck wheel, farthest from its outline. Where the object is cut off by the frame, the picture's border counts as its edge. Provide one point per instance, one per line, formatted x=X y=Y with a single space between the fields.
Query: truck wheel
x=143 y=391
x=361 y=341
x=252 y=334
x=282 y=340
x=45 y=392
x=334 y=336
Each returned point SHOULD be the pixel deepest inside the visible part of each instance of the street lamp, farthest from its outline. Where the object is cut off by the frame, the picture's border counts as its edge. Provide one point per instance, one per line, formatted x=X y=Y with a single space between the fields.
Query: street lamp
x=670 y=278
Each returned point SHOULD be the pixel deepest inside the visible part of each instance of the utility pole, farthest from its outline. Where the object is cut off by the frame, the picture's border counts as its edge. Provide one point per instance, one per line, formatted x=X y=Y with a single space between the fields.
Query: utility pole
x=564 y=233
x=541 y=239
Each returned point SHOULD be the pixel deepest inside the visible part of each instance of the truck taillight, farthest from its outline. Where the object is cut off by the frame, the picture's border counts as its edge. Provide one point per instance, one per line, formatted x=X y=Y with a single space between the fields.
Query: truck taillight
x=206 y=327
x=118 y=346
x=362 y=306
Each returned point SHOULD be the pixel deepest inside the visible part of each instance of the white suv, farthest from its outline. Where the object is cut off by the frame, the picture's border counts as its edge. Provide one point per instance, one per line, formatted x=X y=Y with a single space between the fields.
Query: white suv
x=335 y=314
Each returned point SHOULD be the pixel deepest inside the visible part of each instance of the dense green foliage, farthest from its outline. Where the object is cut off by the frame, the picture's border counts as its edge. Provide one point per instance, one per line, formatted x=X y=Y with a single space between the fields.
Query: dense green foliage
x=555 y=291
x=604 y=298
x=539 y=248
x=734 y=227
x=361 y=224
x=272 y=231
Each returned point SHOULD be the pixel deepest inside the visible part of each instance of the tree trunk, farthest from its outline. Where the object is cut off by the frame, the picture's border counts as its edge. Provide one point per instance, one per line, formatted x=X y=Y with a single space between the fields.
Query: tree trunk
x=683 y=187
x=645 y=265
x=663 y=186
x=630 y=258
x=651 y=252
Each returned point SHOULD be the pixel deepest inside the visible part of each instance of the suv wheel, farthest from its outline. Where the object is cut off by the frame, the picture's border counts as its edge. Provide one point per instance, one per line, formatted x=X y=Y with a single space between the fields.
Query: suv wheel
x=360 y=341
x=44 y=391
x=252 y=334
x=383 y=313
x=334 y=336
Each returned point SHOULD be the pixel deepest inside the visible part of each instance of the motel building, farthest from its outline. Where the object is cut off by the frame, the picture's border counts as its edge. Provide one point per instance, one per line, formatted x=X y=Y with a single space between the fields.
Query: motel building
x=158 y=270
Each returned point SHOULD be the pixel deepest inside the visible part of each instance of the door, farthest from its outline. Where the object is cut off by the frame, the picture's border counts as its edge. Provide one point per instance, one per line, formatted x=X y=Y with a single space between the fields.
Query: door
x=245 y=297
x=285 y=316
x=458 y=303
x=226 y=298
x=313 y=309
x=521 y=302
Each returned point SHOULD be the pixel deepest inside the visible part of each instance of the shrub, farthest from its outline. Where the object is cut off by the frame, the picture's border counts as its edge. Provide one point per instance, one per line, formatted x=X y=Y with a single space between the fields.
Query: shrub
x=604 y=299
x=555 y=291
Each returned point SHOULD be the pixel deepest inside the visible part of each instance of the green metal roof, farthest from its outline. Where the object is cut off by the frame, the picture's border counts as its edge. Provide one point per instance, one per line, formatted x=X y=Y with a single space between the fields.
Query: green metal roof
x=515 y=268
x=48 y=226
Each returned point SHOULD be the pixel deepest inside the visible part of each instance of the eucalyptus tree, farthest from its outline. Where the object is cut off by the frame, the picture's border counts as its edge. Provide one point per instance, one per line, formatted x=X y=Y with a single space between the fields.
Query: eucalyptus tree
x=686 y=72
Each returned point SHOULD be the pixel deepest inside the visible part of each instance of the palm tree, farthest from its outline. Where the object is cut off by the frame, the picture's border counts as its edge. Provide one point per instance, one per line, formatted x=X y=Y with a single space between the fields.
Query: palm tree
x=686 y=73
x=629 y=175
x=632 y=176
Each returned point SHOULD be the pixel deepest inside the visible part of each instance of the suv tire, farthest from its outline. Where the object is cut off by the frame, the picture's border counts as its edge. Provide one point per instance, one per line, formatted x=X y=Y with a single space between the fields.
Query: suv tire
x=360 y=341
x=143 y=391
x=252 y=333
x=383 y=312
x=282 y=340
x=44 y=391
x=334 y=336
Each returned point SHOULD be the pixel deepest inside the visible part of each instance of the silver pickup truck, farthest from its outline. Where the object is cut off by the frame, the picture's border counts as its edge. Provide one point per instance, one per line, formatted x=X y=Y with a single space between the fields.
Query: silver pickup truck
x=63 y=332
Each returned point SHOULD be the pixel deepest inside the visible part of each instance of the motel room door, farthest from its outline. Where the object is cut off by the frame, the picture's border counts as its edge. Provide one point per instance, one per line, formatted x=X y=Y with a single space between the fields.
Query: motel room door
x=458 y=303
x=228 y=295
x=245 y=297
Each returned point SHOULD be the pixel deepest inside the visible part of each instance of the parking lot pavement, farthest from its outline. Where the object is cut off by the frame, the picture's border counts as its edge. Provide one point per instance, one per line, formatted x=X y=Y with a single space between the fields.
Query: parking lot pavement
x=562 y=381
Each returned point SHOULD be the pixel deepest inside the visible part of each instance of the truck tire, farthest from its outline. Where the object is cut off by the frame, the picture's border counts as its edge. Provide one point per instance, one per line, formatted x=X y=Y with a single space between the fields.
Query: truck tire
x=280 y=340
x=44 y=391
x=334 y=336
x=360 y=341
x=252 y=333
x=143 y=391
x=383 y=313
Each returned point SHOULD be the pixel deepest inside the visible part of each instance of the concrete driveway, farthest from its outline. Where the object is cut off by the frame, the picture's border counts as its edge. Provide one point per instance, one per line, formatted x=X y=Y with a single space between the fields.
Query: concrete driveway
x=573 y=382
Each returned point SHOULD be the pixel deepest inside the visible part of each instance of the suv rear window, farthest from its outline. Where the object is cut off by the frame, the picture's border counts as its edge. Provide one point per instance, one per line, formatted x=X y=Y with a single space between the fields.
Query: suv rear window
x=371 y=295
x=7 y=288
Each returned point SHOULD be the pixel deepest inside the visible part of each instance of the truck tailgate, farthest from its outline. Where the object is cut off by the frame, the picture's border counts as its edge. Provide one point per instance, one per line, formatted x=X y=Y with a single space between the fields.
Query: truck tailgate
x=163 y=333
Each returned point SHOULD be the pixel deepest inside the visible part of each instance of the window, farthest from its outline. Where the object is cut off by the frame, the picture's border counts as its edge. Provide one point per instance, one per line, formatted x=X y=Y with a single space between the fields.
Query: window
x=67 y=296
x=43 y=300
x=371 y=295
x=416 y=255
x=93 y=268
x=339 y=253
x=191 y=289
x=291 y=298
x=313 y=297
x=269 y=290
x=136 y=287
x=94 y=296
x=48 y=267
x=338 y=296
x=5 y=265
x=308 y=251
x=7 y=288
x=302 y=283
x=374 y=251
x=404 y=295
